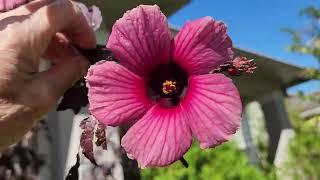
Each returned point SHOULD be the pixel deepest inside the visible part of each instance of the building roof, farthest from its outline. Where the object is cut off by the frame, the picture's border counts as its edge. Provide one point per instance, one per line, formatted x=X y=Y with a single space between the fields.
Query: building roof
x=308 y=106
x=271 y=74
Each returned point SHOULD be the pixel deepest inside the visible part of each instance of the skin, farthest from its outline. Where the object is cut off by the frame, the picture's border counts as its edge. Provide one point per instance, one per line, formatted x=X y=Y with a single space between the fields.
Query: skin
x=40 y=29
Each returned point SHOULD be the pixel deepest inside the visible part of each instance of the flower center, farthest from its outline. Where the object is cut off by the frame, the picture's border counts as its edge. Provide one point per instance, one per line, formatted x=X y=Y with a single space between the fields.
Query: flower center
x=168 y=87
x=167 y=82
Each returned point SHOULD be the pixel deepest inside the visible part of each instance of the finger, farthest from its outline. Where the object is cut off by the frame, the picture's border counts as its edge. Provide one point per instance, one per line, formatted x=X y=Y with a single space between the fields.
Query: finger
x=58 y=48
x=26 y=9
x=80 y=31
x=60 y=16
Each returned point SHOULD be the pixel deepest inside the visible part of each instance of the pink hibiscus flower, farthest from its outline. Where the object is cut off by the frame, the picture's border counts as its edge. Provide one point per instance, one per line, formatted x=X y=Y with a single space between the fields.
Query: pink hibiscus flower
x=163 y=86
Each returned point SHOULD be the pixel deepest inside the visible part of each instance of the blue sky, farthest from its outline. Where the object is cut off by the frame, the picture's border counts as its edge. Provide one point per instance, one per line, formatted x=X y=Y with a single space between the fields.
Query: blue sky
x=256 y=25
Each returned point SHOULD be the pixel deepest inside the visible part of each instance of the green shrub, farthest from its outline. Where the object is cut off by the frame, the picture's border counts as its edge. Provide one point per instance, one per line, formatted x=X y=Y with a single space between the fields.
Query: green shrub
x=225 y=162
x=304 y=152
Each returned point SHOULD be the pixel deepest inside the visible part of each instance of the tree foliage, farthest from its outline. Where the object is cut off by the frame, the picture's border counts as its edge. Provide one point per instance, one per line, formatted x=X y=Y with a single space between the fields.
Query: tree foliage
x=307 y=40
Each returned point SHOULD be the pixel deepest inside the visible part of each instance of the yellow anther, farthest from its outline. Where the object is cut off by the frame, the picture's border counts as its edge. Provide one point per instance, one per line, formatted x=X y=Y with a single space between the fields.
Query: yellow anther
x=168 y=86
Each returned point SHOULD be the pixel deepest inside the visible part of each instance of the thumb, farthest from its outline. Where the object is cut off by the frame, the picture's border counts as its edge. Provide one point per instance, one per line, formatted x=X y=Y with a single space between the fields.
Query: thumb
x=51 y=85
x=63 y=75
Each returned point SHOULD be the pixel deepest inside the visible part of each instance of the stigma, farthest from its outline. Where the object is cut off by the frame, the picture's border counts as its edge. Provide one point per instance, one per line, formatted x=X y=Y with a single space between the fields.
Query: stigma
x=169 y=87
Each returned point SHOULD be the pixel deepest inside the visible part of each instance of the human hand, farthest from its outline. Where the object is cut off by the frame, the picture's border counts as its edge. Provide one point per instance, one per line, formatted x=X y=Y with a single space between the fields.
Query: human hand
x=40 y=29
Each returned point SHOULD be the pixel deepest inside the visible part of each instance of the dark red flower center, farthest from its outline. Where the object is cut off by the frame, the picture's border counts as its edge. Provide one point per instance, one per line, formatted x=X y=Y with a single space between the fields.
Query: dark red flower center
x=167 y=82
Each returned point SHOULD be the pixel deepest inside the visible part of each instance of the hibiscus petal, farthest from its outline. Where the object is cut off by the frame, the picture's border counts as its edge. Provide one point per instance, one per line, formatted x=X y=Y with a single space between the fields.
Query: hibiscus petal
x=115 y=94
x=202 y=45
x=92 y=15
x=214 y=108
x=141 y=39
x=159 y=138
